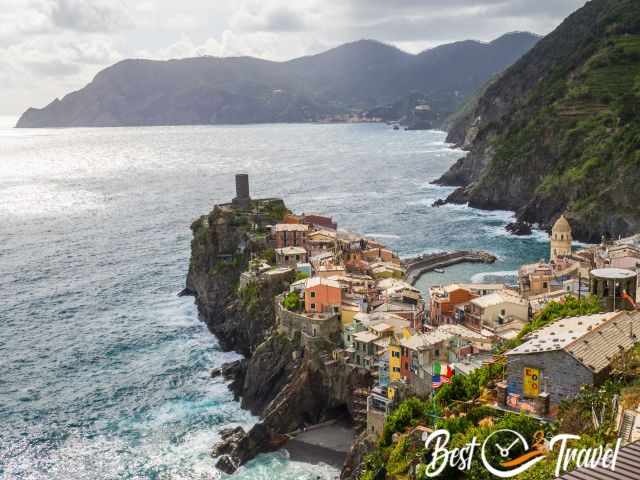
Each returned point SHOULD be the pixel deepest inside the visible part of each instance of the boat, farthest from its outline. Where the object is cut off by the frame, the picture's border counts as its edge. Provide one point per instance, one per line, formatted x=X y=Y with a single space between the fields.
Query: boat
x=396 y=127
x=438 y=270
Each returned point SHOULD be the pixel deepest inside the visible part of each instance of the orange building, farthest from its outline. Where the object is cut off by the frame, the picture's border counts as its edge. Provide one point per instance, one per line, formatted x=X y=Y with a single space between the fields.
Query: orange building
x=322 y=295
x=444 y=300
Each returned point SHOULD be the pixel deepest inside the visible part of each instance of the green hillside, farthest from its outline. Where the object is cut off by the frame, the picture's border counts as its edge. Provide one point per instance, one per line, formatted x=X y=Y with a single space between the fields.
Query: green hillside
x=567 y=138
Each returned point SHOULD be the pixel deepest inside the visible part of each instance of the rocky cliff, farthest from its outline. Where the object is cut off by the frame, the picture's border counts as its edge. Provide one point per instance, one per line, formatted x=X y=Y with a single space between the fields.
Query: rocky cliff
x=288 y=385
x=559 y=131
x=207 y=90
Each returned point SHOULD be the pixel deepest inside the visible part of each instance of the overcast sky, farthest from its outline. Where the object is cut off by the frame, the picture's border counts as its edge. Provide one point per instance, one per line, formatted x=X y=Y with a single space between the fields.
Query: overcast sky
x=51 y=47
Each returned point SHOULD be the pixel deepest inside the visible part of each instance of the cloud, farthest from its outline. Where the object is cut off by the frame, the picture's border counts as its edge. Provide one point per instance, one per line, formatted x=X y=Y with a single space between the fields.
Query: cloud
x=90 y=15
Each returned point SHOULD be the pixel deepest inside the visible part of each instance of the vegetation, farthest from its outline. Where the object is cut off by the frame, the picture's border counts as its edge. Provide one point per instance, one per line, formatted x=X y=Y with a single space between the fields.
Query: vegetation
x=250 y=297
x=269 y=256
x=455 y=408
x=568 y=139
x=301 y=276
x=291 y=301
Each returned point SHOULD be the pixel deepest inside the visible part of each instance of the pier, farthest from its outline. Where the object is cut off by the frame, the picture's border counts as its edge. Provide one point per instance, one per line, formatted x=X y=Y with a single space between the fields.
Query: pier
x=417 y=266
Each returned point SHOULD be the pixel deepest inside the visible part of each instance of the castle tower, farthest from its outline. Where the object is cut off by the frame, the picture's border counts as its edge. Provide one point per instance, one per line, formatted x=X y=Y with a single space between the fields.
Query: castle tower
x=560 y=238
x=242 y=198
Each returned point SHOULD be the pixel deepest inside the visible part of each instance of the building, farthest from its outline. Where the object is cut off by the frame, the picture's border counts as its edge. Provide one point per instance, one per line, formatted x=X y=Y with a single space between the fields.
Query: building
x=321 y=240
x=626 y=468
x=290 y=235
x=242 y=198
x=322 y=295
x=395 y=363
x=290 y=256
x=495 y=310
x=560 y=358
x=418 y=354
x=319 y=221
x=615 y=287
x=536 y=279
x=350 y=308
x=444 y=299
x=365 y=349
x=560 y=239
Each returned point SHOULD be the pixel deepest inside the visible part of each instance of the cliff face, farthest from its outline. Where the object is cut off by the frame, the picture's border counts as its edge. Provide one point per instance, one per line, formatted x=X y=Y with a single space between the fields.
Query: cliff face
x=287 y=384
x=559 y=131
x=220 y=251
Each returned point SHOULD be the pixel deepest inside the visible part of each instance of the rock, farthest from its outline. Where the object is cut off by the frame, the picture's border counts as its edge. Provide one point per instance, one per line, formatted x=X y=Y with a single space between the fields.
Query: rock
x=226 y=465
x=439 y=203
x=352 y=468
x=458 y=196
x=186 y=292
x=519 y=228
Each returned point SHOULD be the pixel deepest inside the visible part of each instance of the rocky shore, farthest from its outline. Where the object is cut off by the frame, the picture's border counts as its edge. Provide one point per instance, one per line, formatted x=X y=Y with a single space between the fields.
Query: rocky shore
x=288 y=385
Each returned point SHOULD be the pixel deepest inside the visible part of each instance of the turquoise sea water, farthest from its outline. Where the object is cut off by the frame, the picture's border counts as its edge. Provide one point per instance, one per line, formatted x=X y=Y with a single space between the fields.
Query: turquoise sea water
x=104 y=370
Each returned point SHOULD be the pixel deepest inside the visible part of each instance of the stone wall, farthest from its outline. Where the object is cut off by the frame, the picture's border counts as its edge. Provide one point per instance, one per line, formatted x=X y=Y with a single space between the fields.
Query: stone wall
x=307 y=327
x=562 y=375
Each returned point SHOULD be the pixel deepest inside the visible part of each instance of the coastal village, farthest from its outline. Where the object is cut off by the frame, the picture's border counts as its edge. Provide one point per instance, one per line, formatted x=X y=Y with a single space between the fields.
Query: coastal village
x=351 y=301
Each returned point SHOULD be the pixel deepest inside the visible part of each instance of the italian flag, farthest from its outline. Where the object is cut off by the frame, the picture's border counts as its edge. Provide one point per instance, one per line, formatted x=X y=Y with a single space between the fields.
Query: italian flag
x=444 y=371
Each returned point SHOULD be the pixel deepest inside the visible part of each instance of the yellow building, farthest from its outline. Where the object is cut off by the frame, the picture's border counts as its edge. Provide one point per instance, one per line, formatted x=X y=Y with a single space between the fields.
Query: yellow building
x=347 y=312
x=394 y=360
x=560 y=239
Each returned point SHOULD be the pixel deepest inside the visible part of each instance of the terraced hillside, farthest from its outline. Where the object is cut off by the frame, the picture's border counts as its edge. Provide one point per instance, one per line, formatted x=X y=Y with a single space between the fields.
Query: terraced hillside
x=560 y=130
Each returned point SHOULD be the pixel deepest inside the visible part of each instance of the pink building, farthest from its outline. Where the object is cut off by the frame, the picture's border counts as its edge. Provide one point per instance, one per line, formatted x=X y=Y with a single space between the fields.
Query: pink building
x=322 y=295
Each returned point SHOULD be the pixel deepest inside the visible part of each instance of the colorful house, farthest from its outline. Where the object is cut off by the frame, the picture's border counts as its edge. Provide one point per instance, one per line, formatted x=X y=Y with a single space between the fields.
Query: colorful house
x=395 y=362
x=322 y=295
x=290 y=256
x=290 y=235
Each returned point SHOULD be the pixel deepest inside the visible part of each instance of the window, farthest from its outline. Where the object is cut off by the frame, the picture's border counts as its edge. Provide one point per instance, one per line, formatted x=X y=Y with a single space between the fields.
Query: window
x=406 y=366
x=544 y=285
x=313 y=294
x=395 y=354
x=396 y=369
x=313 y=306
x=437 y=353
x=286 y=258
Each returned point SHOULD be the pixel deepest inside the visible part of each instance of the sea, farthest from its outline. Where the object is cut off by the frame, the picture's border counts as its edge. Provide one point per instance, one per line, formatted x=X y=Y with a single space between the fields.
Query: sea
x=104 y=370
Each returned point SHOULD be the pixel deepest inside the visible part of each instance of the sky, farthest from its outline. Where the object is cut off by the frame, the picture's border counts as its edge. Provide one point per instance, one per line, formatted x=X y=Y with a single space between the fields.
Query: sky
x=49 y=48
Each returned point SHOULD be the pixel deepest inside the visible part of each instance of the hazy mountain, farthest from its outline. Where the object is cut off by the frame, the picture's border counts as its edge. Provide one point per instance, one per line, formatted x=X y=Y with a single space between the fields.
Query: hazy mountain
x=356 y=76
x=559 y=131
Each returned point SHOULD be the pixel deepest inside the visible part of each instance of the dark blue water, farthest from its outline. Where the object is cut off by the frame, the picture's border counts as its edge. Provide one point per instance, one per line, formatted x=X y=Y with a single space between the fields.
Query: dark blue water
x=104 y=370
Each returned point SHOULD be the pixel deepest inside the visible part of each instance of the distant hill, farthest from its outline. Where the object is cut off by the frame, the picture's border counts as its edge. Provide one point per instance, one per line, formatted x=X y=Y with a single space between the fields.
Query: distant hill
x=361 y=76
x=559 y=131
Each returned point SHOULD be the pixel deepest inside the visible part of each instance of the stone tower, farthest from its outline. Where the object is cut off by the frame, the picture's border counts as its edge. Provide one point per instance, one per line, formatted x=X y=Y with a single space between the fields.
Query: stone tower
x=560 y=238
x=242 y=198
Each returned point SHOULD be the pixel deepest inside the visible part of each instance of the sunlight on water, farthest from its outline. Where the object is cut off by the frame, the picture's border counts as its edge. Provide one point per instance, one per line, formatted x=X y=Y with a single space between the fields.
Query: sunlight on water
x=106 y=370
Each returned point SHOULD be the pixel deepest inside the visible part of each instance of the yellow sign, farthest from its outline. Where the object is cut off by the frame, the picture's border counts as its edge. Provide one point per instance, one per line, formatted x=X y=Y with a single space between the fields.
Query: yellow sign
x=531 y=382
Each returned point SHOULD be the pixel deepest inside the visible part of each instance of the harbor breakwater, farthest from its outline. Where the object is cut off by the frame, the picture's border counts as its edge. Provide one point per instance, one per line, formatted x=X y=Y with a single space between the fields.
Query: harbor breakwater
x=417 y=266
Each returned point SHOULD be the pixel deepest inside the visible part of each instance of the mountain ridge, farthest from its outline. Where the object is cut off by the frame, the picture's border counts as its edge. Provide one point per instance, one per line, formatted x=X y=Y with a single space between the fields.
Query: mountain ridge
x=357 y=76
